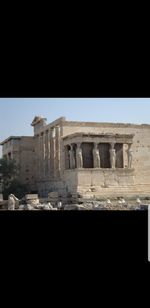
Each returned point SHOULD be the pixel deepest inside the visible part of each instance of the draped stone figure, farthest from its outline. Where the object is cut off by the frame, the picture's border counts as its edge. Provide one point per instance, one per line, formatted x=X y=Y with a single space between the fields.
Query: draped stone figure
x=96 y=156
x=79 y=157
x=112 y=158
x=130 y=156
x=72 y=158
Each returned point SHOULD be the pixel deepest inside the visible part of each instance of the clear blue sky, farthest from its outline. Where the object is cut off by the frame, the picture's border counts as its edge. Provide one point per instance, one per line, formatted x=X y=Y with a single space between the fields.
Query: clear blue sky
x=16 y=114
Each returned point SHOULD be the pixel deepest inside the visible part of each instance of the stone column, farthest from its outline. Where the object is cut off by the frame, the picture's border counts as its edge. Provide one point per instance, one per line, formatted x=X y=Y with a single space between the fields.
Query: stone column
x=44 y=152
x=41 y=156
x=57 y=148
x=125 y=155
x=49 y=154
x=79 y=157
x=66 y=158
x=53 y=154
x=112 y=156
x=72 y=157
x=54 y=150
x=130 y=156
x=38 y=155
x=62 y=154
x=96 y=156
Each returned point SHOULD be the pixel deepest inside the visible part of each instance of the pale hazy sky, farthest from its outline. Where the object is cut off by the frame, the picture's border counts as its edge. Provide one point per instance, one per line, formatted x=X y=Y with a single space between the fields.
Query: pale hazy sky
x=16 y=114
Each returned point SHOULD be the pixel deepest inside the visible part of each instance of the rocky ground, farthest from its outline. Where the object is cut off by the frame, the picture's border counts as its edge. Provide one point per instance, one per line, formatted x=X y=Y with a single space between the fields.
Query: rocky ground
x=92 y=205
x=116 y=204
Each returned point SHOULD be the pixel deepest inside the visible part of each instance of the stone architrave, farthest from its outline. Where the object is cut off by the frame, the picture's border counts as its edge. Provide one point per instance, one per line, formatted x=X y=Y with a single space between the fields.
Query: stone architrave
x=96 y=156
x=112 y=157
x=130 y=157
x=72 y=158
x=79 y=156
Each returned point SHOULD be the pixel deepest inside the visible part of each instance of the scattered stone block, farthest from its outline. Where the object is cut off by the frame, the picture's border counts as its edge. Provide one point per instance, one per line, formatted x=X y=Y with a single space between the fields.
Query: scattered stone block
x=32 y=199
x=31 y=196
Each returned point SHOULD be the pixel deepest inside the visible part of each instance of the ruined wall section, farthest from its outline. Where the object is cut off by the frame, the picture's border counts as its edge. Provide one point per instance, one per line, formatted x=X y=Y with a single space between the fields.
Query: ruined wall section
x=27 y=162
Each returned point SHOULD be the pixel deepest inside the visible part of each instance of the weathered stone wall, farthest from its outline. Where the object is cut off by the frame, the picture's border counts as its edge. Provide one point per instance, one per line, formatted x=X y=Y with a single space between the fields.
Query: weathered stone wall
x=139 y=181
x=44 y=187
x=22 y=150
x=28 y=161
x=71 y=180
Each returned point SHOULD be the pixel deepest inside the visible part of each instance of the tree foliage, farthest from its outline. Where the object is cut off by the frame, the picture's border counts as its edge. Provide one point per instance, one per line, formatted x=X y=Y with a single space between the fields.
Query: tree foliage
x=15 y=187
x=9 y=171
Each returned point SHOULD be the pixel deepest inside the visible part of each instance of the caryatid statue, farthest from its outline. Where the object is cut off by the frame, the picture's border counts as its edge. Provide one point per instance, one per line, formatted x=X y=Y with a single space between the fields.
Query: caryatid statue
x=96 y=156
x=112 y=158
x=130 y=156
x=72 y=157
x=79 y=158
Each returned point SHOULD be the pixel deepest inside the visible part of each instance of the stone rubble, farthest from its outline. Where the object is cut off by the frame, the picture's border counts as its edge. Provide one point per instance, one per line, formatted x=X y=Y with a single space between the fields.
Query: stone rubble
x=32 y=199
x=31 y=202
x=53 y=197
x=37 y=207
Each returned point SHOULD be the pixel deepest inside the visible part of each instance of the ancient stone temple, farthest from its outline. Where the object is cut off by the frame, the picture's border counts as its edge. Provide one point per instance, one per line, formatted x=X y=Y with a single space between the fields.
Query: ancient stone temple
x=71 y=157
